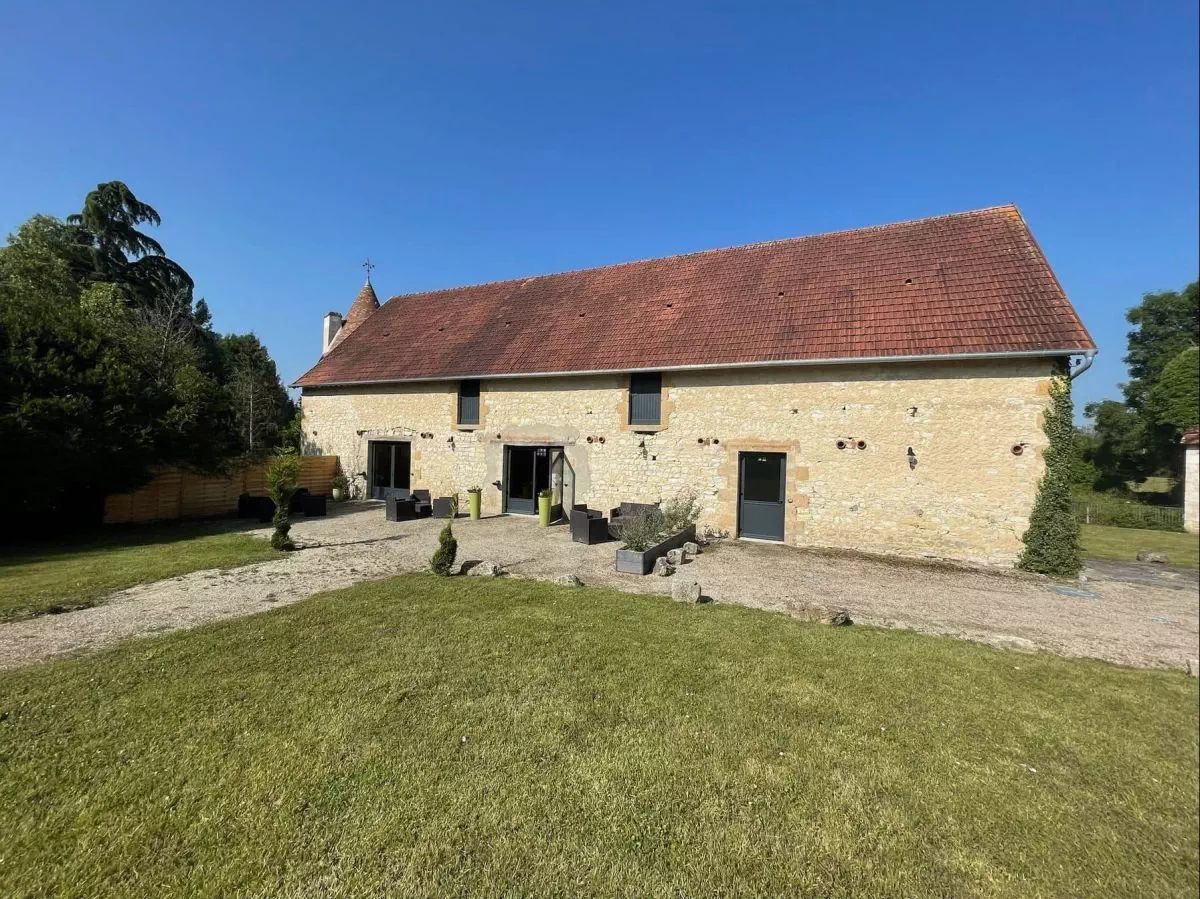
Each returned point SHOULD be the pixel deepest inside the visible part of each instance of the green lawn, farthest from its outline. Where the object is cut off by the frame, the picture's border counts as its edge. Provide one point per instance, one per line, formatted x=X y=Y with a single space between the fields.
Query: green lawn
x=420 y=736
x=78 y=573
x=1123 y=544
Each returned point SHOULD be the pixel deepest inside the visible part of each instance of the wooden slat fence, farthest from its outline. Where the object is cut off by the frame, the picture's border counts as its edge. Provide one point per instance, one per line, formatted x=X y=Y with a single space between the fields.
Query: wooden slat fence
x=174 y=494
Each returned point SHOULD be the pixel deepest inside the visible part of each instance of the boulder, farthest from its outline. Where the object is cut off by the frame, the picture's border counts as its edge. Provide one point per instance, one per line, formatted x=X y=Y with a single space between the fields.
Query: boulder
x=484 y=569
x=1147 y=556
x=568 y=580
x=841 y=618
x=685 y=591
x=662 y=567
x=692 y=549
x=675 y=556
x=1193 y=667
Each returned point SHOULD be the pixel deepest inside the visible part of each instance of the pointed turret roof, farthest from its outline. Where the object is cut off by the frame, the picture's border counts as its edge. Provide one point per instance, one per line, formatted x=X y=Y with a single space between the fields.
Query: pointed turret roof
x=364 y=304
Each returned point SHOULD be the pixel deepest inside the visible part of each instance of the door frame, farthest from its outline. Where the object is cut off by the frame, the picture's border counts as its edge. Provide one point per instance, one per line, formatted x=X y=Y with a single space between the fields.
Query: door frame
x=741 y=478
x=552 y=451
x=374 y=492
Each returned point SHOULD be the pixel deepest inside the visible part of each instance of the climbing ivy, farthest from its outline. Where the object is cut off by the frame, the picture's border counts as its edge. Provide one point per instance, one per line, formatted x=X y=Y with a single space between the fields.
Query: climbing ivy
x=1052 y=541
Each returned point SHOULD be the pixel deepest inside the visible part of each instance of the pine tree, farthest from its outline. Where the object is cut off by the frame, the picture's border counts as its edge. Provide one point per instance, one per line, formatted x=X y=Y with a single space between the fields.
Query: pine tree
x=442 y=561
x=1052 y=540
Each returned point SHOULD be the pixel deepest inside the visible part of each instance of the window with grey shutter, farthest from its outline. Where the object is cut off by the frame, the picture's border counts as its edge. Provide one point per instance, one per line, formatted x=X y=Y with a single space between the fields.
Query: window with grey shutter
x=645 y=398
x=468 y=402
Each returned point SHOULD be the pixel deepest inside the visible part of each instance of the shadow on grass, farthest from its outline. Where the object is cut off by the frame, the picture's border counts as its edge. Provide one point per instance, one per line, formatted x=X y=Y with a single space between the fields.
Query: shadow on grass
x=123 y=535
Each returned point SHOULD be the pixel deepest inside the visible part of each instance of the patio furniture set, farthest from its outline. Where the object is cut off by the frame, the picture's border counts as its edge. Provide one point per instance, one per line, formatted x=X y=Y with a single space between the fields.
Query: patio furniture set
x=263 y=507
x=406 y=505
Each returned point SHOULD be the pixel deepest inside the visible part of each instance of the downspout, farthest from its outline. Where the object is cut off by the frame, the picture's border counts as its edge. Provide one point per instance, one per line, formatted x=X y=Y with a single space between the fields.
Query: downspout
x=1083 y=366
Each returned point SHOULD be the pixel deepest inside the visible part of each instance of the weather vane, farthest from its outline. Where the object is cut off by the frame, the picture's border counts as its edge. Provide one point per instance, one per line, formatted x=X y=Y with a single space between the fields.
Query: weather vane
x=368 y=265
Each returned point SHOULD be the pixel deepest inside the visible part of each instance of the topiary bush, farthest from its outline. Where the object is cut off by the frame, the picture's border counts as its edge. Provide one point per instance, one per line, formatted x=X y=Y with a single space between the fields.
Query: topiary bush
x=281 y=476
x=442 y=561
x=1052 y=540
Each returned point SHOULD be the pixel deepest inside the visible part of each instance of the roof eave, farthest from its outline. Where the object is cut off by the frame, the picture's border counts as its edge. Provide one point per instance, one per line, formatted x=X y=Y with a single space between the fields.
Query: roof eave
x=712 y=366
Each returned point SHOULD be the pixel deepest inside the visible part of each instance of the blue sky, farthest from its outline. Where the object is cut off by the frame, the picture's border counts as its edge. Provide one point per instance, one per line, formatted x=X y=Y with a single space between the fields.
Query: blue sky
x=463 y=142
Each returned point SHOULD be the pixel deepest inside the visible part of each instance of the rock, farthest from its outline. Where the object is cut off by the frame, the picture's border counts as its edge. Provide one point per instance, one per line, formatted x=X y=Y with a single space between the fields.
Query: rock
x=1147 y=556
x=1193 y=667
x=662 y=567
x=691 y=549
x=675 y=556
x=841 y=619
x=568 y=580
x=484 y=569
x=685 y=591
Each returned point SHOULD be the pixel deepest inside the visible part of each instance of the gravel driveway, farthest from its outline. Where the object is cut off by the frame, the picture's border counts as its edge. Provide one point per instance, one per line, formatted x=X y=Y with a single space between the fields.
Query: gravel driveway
x=1140 y=616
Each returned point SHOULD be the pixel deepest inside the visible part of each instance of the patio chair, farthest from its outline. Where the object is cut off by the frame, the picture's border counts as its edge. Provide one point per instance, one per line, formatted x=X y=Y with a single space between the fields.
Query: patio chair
x=424 y=505
x=625 y=510
x=401 y=509
x=443 y=507
x=315 y=504
x=588 y=526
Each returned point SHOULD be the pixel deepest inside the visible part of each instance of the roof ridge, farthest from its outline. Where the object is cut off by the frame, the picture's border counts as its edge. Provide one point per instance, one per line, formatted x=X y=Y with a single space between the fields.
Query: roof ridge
x=742 y=246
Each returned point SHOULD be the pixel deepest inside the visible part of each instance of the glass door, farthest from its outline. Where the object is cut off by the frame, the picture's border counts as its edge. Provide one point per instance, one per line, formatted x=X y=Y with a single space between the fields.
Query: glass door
x=562 y=484
x=388 y=468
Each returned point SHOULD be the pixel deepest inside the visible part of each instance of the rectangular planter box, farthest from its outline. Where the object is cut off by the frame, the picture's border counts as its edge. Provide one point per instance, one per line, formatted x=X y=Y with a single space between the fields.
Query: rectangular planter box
x=631 y=562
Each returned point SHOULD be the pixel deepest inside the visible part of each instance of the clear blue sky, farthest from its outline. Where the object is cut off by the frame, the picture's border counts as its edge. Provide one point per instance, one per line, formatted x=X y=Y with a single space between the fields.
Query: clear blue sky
x=456 y=143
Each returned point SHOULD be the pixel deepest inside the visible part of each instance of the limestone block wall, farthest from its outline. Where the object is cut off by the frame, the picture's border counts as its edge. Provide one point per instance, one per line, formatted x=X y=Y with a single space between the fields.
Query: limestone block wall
x=1191 y=489
x=965 y=491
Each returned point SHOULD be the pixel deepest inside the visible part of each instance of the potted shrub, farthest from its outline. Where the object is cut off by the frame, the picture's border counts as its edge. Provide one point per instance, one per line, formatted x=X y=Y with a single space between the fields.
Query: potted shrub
x=544 y=497
x=651 y=533
x=340 y=486
x=474 y=502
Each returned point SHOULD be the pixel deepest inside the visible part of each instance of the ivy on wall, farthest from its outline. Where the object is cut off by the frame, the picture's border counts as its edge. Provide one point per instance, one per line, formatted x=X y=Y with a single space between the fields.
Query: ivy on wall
x=1052 y=541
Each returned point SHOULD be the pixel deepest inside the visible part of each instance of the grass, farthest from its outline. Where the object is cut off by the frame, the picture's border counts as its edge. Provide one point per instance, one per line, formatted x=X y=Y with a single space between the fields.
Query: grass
x=423 y=736
x=1123 y=544
x=75 y=575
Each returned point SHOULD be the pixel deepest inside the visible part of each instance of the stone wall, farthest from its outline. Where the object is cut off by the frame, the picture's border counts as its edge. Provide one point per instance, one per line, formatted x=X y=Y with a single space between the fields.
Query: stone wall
x=962 y=493
x=1191 y=489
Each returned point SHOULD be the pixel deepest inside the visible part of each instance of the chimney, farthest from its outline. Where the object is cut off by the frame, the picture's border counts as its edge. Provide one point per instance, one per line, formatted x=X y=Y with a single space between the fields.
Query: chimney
x=329 y=330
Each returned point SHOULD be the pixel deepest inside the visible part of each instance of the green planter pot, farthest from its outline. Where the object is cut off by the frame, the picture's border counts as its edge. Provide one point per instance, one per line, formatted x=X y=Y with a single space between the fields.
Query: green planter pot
x=544 y=511
x=474 y=501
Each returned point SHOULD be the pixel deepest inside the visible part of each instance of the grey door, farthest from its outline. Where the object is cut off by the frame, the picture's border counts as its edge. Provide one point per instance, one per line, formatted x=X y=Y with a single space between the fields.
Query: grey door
x=761 y=495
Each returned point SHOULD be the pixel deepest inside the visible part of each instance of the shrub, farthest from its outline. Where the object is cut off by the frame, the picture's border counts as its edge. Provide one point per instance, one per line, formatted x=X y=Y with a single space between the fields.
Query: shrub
x=1052 y=540
x=281 y=476
x=681 y=511
x=442 y=561
x=642 y=530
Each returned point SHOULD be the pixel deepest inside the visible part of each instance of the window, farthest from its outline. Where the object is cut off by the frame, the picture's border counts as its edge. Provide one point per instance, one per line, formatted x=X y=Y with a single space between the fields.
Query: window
x=645 y=398
x=468 y=402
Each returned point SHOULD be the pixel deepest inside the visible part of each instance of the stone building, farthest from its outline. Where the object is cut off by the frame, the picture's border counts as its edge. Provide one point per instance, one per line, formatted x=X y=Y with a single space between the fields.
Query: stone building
x=1191 y=480
x=880 y=389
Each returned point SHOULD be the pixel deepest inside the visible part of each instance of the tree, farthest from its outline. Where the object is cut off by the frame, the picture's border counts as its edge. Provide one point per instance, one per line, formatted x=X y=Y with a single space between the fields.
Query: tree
x=108 y=366
x=1166 y=324
x=1052 y=540
x=117 y=252
x=1140 y=437
x=262 y=408
x=282 y=474
x=442 y=561
x=1174 y=400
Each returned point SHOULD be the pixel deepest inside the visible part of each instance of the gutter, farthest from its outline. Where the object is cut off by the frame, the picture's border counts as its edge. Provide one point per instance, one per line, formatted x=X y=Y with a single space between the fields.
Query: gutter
x=713 y=366
x=1089 y=357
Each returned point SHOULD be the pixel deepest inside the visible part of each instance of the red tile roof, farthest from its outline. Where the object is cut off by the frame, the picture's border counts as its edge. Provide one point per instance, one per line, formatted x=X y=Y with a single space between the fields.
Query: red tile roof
x=364 y=304
x=969 y=283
